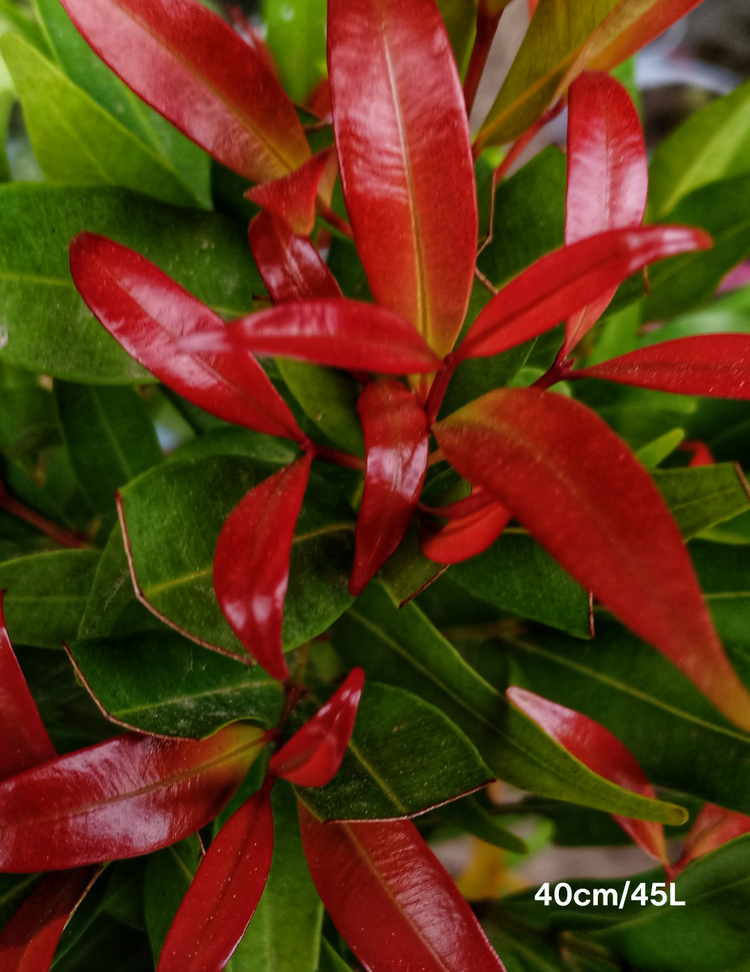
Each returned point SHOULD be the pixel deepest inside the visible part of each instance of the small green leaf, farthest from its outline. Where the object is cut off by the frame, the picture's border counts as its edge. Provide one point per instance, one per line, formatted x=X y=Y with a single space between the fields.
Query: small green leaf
x=702 y=496
x=658 y=449
x=469 y=815
x=330 y=960
x=168 y=876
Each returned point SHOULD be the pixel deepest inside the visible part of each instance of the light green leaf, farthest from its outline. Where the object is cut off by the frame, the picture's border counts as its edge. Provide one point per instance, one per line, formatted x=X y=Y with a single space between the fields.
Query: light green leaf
x=460 y=18
x=296 y=33
x=658 y=449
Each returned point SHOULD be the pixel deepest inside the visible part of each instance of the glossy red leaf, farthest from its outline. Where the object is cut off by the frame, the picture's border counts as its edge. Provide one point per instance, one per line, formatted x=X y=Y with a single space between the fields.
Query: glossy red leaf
x=23 y=739
x=603 y=753
x=251 y=563
x=148 y=313
x=705 y=364
x=340 y=333
x=391 y=899
x=580 y=491
x=713 y=827
x=405 y=157
x=561 y=283
x=291 y=267
x=225 y=892
x=188 y=64
x=130 y=795
x=29 y=940
x=607 y=174
x=396 y=451
x=313 y=755
x=466 y=536
x=292 y=198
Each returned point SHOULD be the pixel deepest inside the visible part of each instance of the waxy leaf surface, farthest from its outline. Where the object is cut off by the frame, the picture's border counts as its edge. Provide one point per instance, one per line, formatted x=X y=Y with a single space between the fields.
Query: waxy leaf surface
x=560 y=470
x=128 y=796
x=466 y=536
x=396 y=448
x=251 y=563
x=228 y=883
x=292 y=198
x=403 y=144
x=190 y=66
x=713 y=827
x=373 y=876
x=148 y=313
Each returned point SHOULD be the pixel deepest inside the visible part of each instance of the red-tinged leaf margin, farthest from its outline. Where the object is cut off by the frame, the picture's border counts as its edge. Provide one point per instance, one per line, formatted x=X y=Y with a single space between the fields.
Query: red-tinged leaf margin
x=188 y=64
x=391 y=899
x=579 y=490
x=396 y=451
x=607 y=174
x=597 y=748
x=313 y=755
x=225 y=892
x=147 y=313
x=251 y=563
x=408 y=180
x=127 y=796
x=704 y=364
x=713 y=827
x=465 y=537
x=291 y=267
x=566 y=280
x=292 y=198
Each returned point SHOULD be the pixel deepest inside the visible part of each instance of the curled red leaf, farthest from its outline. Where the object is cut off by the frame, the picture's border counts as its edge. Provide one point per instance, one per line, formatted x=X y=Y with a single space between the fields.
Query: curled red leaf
x=291 y=267
x=465 y=536
x=292 y=197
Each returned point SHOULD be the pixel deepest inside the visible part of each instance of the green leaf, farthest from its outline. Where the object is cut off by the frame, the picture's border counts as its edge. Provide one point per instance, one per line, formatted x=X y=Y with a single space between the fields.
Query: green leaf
x=524 y=952
x=404 y=757
x=168 y=876
x=23 y=25
x=460 y=18
x=330 y=960
x=109 y=436
x=658 y=449
x=14 y=889
x=702 y=496
x=28 y=423
x=173 y=515
x=408 y=571
x=469 y=815
x=78 y=142
x=519 y=576
x=284 y=935
x=189 y=691
x=402 y=648
x=296 y=33
x=46 y=326
x=46 y=595
x=712 y=144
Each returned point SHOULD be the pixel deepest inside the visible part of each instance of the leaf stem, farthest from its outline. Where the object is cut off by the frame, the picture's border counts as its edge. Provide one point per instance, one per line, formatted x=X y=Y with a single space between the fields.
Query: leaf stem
x=66 y=538
x=335 y=456
x=486 y=30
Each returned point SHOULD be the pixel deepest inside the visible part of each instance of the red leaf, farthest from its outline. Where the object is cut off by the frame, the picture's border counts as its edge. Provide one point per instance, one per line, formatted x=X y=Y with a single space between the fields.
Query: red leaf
x=340 y=333
x=29 y=940
x=467 y=536
x=391 y=899
x=405 y=158
x=319 y=102
x=713 y=827
x=706 y=364
x=564 y=281
x=292 y=198
x=579 y=490
x=189 y=65
x=313 y=755
x=251 y=563
x=396 y=450
x=607 y=174
x=225 y=892
x=147 y=312
x=130 y=795
x=700 y=453
x=603 y=753
x=23 y=739
x=291 y=267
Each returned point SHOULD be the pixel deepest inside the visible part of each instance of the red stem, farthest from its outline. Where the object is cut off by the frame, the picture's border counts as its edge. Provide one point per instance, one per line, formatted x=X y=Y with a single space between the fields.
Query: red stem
x=561 y=369
x=438 y=389
x=486 y=30
x=335 y=456
x=61 y=535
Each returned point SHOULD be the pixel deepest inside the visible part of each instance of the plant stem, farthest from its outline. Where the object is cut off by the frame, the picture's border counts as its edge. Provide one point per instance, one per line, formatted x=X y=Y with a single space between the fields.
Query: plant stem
x=486 y=29
x=66 y=538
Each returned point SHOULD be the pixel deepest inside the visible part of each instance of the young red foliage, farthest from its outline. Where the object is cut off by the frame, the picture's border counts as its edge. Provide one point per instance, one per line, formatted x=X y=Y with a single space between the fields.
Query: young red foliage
x=405 y=157
x=579 y=490
x=607 y=174
x=465 y=536
x=188 y=64
x=291 y=267
x=130 y=795
x=700 y=454
x=225 y=892
x=251 y=563
x=147 y=312
x=713 y=827
x=379 y=876
x=292 y=198
x=561 y=283
x=603 y=753
x=396 y=450
x=313 y=755
x=705 y=364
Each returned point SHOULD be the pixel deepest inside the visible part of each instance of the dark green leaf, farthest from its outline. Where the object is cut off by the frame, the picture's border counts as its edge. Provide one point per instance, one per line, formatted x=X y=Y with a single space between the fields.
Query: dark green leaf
x=329 y=398
x=469 y=815
x=702 y=496
x=23 y=25
x=168 y=876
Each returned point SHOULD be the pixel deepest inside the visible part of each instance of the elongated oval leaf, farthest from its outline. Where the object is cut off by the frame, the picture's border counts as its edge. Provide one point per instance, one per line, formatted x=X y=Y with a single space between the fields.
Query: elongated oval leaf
x=713 y=827
x=467 y=536
x=251 y=564
x=190 y=66
x=291 y=267
x=127 y=796
x=391 y=899
x=578 y=489
x=148 y=313
x=396 y=448
x=405 y=157
x=228 y=885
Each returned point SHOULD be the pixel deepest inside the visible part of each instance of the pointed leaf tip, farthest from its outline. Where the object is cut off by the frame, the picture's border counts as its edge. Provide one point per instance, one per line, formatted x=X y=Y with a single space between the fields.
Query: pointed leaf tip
x=292 y=198
x=313 y=755
x=291 y=267
x=466 y=536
